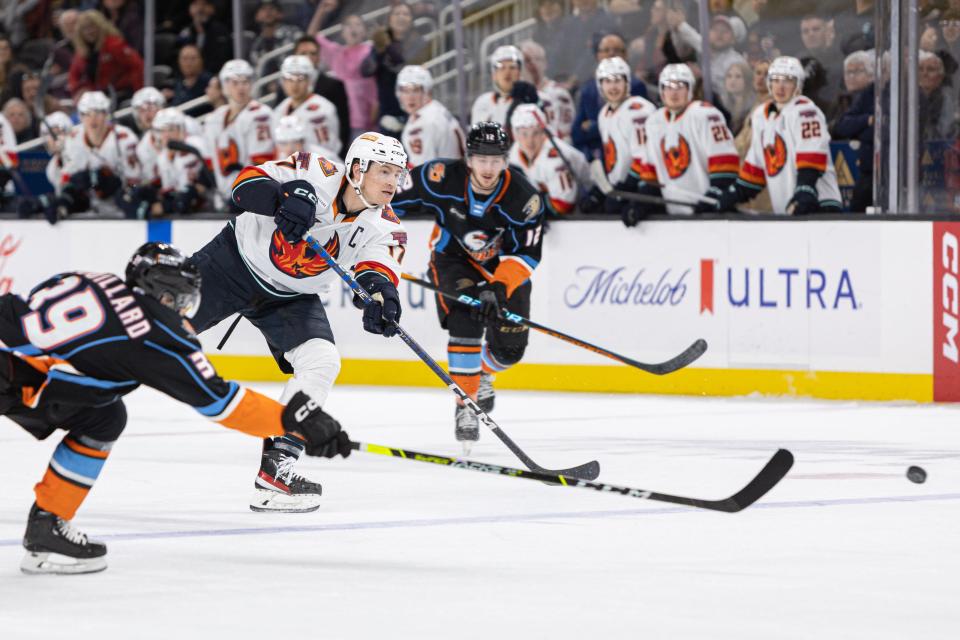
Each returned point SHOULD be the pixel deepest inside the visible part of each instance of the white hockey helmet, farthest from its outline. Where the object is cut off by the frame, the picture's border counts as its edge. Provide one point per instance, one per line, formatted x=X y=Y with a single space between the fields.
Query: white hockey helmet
x=235 y=69
x=148 y=95
x=615 y=67
x=93 y=101
x=58 y=121
x=374 y=147
x=169 y=118
x=527 y=115
x=679 y=73
x=289 y=129
x=505 y=53
x=413 y=75
x=786 y=67
x=296 y=66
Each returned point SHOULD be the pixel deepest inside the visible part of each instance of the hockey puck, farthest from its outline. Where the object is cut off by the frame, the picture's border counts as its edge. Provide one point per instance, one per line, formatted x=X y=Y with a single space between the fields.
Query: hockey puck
x=917 y=475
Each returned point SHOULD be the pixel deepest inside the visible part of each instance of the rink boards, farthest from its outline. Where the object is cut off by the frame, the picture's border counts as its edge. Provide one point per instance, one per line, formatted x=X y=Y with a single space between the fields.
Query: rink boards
x=829 y=309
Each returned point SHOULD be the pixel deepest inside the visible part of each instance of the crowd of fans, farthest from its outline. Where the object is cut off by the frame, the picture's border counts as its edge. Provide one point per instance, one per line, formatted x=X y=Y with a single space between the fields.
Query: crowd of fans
x=52 y=53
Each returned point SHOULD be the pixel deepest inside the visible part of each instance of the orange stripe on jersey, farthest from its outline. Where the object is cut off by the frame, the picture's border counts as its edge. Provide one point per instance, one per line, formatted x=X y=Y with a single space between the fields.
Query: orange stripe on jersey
x=724 y=164
x=368 y=265
x=436 y=280
x=13 y=159
x=512 y=272
x=647 y=172
x=752 y=174
x=260 y=158
x=249 y=173
x=561 y=206
x=506 y=184
x=816 y=161
x=255 y=414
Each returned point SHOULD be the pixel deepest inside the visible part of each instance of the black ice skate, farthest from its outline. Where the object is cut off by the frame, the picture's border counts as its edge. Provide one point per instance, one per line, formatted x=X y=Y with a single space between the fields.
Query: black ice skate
x=278 y=488
x=467 y=428
x=54 y=546
x=486 y=395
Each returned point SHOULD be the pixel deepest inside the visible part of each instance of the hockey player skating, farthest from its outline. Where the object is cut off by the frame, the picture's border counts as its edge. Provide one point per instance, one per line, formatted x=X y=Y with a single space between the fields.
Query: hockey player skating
x=542 y=163
x=290 y=136
x=260 y=267
x=318 y=114
x=430 y=131
x=690 y=150
x=622 y=122
x=78 y=344
x=238 y=133
x=789 y=151
x=506 y=63
x=486 y=244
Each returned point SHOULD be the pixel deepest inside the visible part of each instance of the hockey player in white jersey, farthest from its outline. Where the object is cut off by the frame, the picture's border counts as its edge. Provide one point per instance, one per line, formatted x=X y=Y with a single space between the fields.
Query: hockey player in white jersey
x=290 y=135
x=318 y=114
x=237 y=133
x=690 y=150
x=55 y=129
x=260 y=266
x=542 y=163
x=622 y=121
x=506 y=62
x=430 y=131
x=146 y=103
x=555 y=100
x=789 y=151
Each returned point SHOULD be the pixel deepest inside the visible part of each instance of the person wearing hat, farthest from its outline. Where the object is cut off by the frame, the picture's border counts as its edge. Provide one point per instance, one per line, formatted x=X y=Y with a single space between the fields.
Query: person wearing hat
x=726 y=32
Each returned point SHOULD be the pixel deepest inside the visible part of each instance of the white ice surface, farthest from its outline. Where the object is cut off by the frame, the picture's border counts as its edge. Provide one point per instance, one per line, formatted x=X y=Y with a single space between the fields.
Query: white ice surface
x=845 y=547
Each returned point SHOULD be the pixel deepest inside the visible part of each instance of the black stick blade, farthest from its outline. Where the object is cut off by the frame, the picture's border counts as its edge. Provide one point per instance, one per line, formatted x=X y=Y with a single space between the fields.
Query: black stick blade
x=587 y=471
x=688 y=357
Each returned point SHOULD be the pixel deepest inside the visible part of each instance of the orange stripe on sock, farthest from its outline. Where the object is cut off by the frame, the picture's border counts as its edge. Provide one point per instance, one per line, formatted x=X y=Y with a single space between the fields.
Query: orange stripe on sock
x=58 y=496
x=470 y=384
x=459 y=348
x=76 y=447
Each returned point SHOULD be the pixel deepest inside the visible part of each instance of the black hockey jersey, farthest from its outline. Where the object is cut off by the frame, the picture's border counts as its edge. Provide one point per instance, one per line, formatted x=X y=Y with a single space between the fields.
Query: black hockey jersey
x=94 y=340
x=499 y=233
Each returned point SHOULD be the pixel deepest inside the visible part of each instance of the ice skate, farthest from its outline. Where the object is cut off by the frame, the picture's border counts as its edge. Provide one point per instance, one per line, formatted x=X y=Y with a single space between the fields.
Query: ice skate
x=278 y=488
x=486 y=395
x=55 y=546
x=467 y=428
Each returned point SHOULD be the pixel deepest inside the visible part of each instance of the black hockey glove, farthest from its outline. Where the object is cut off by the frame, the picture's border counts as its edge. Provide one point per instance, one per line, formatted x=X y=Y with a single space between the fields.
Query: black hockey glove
x=804 y=201
x=380 y=315
x=632 y=212
x=298 y=210
x=105 y=182
x=320 y=431
x=28 y=206
x=729 y=199
x=135 y=202
x=703 y=206
x=493 y=298
x=593 y=201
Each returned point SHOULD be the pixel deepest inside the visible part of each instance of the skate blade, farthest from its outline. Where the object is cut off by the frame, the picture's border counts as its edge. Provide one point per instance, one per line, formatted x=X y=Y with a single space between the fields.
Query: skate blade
x=264 y=500
x=467 y=447
x=44 y=563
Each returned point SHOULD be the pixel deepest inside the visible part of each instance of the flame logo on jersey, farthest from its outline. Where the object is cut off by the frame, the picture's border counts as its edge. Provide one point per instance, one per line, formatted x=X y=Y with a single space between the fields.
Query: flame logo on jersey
x=775 y=156
x=228 y=157
x=609 y=156
x=297 y=259
x=676 y=159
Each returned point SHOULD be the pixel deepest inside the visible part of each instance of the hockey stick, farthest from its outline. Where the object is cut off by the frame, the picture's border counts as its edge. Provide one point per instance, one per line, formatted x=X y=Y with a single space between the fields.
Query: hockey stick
x=687 y=357
x=556 y=147
x=587 y=471
x=226 y=336
x=180 y=145
x=774 y=471
x=603 y=183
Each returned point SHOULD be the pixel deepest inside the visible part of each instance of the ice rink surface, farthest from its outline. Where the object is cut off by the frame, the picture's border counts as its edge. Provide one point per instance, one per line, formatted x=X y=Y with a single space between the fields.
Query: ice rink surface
x=845 y=547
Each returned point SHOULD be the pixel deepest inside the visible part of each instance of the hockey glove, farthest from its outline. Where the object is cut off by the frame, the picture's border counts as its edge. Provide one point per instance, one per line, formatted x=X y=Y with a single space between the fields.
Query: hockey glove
x=632 y=212
x=381 y=315
x=322 y=434
x=593 y=201
x=105 y=182
x=493 y=298
x=298 y=210
x=729 y=199
x=704 y=206
x=804 y=201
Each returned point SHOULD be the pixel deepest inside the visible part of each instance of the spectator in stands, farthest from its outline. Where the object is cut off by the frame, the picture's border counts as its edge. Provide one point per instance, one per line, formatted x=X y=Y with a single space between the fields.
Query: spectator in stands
x=777 y=33
x=725 y=32
x=6 y=62
x=630 y=18
x=273 y=34
x=24 y=125
x=950 y=50
x=394 y=47
x=857 y=123
x=25 y=84
x=546 y=31
x=824 y=79
x=325 y=15
x=127 y=17
x=655 y=38
x=345 y=60
x=586 y=135
x=103 y=59
x=192 y=78
x=211 y=36
x=737 y=94
x=937 y=104
x=18 y=19
x=742 y=141
x=63 y=51
x=556 y=101
x=326 y=85
x=214 y=93
x=577 y=35
x=929 y=37
x=854 y=25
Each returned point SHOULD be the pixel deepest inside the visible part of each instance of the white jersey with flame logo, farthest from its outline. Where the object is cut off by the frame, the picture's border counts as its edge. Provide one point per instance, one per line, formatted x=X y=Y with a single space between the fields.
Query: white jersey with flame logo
x=431 y=133
x=178 y=170
x=117 y=152
x=686 y=150
x=785 y=141
x=373 y=239
x=559 y=108
x=237 y=142
x=319 y=118
x=548 y=173
x=490 y=107
x=623 y=136
x=147 y=151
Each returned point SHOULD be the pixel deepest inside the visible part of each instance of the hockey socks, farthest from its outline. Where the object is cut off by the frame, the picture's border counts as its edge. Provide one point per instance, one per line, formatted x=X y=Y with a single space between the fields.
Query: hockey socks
x=72 y=472
x=465 y=360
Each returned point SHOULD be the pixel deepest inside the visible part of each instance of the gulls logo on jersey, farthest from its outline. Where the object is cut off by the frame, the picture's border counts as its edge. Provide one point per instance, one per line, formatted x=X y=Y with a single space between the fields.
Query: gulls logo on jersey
x=609 y=155
x=775 y=156
x=475 y=240
x=298 y=260
x=676 y=159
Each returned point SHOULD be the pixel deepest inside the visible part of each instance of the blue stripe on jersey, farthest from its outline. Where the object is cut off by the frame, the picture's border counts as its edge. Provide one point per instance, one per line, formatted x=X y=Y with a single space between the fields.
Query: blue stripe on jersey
x=95 y=343
x=77 y=464
x=25 y=349
x=530 y=261
x=443 y=241
x=463 y=362
x=214 y=409
x=160 y=231
x=180 y=339
x=186 y=365
x=73 y=378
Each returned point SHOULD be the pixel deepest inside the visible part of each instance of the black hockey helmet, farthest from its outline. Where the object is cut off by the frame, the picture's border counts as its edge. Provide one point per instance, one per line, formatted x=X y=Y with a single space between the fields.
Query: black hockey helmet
x=161 y=271
x=487 y=139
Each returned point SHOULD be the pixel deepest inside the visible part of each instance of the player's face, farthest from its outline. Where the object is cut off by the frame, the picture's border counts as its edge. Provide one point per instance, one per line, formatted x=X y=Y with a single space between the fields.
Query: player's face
x=485 y=170
x=94 y=121
x=381 y=182
x=614 y=90
x=505 y=75
x=675 y=95
x=782 y=89
x=238 y=90
x=530 y=140
x=171 y=133
x=411 y=98
x=146 y=113
x=296 y=87
x=286 y=149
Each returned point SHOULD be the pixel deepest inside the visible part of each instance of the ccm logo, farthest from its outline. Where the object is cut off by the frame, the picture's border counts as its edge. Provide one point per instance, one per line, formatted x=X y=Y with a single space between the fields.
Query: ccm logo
x=303 y=193
x=950 y=288
x=304 y=410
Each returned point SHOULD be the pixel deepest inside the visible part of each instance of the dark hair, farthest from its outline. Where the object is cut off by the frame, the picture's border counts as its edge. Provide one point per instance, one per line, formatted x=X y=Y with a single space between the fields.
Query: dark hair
x=598 y=37
x=303 y=39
